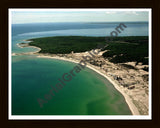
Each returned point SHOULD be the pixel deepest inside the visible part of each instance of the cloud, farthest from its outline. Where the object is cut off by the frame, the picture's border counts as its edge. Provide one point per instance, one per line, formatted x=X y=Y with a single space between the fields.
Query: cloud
x=110 y=12
x=86 y=16
x=123 y=12
x=132 y=12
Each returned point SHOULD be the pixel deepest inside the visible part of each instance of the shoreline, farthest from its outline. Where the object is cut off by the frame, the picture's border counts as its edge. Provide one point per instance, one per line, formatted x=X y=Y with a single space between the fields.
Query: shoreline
x=121 y=90
x=136 y=99
x=26 y=53
x=128 y=100
x=26 y=45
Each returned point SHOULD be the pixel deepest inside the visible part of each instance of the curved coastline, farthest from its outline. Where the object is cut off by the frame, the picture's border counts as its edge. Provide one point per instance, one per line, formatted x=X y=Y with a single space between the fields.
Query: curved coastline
x=26 y=53
x=128 y=100
x=19 y=45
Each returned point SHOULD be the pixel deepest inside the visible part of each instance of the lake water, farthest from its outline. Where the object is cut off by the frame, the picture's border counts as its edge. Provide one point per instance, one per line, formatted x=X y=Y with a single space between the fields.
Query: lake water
x=87 y=93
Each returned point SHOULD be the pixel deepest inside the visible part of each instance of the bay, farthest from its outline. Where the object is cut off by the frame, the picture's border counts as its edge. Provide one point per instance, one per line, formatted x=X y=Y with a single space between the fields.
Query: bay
x=87 y=93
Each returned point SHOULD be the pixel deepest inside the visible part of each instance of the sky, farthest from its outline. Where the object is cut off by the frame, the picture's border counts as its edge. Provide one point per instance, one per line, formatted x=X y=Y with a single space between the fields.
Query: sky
x=65 y=15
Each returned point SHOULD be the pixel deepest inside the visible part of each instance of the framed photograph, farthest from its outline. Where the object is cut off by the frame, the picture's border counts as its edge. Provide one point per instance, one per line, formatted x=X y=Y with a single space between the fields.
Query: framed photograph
x=79 y=64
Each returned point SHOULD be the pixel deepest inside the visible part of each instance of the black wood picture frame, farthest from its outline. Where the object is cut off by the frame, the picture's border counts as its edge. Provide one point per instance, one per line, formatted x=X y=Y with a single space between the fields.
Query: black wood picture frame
x=6 y=4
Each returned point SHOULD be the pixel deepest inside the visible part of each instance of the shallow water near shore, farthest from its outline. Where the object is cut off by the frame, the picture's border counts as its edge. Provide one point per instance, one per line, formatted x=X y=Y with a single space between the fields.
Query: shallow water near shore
x=88 y=93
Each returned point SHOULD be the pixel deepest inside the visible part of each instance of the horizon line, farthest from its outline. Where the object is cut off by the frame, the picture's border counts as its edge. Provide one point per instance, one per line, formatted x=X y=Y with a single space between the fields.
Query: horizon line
x=82 y=22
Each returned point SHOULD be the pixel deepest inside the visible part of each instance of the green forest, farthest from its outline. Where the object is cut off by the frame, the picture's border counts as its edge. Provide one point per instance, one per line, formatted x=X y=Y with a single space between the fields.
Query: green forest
x=67 y=44
x=119 y=49
x=127 y=49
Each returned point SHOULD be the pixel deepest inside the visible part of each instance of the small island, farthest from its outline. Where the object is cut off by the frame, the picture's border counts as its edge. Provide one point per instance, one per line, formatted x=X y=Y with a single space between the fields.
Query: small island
x=122 y=60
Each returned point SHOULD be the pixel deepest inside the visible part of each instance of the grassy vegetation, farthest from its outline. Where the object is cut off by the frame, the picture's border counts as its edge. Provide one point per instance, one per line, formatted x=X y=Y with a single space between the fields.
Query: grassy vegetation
x=120 y=49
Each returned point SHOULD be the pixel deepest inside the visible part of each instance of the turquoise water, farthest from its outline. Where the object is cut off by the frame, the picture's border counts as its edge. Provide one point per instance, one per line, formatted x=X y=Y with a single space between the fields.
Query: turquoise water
x=87 y=93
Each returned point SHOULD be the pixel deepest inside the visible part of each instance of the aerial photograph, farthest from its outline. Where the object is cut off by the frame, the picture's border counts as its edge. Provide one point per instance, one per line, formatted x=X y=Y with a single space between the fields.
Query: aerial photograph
x=79 y=62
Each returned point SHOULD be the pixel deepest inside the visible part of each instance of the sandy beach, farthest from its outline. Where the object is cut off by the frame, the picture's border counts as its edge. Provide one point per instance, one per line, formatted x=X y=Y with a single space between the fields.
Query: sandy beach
x=136 y=98
x=26 y=53
x=127 y=98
